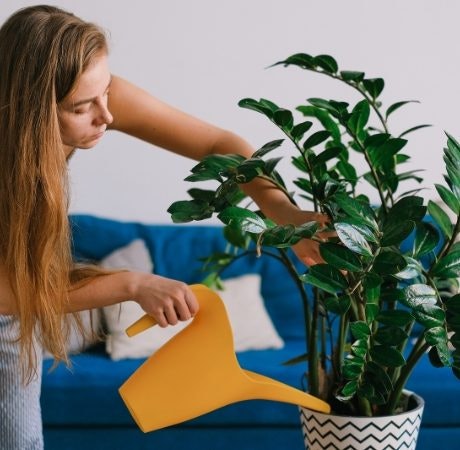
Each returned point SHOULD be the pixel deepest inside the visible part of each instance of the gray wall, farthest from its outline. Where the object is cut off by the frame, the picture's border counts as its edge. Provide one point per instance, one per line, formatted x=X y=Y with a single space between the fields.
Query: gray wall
x=204 y=55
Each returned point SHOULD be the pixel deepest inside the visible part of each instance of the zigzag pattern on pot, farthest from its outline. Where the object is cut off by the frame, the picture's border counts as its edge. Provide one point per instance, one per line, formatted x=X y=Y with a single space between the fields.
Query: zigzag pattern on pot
x=327 y=435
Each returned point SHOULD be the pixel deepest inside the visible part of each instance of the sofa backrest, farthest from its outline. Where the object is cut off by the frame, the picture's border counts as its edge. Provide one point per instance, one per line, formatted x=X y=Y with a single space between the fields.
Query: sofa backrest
x=176 y=251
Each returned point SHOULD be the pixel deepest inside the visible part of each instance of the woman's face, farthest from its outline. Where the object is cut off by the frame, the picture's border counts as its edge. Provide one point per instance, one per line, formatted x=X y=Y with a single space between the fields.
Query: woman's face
x=83 y=114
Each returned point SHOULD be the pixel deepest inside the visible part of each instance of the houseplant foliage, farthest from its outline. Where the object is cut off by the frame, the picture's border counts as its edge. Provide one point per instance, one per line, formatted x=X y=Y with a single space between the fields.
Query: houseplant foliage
x=375 y=294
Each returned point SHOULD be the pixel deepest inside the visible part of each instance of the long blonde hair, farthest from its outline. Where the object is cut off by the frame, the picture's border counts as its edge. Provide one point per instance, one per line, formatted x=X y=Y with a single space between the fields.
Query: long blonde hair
x=43 y=51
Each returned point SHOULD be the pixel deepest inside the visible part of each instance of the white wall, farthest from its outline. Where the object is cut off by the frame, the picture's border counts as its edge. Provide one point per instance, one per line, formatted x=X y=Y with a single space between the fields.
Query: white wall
x=204 y=55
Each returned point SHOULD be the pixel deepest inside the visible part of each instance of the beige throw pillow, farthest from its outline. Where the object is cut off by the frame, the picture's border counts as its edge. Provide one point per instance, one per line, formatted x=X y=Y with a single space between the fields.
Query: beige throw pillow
x=251 y=324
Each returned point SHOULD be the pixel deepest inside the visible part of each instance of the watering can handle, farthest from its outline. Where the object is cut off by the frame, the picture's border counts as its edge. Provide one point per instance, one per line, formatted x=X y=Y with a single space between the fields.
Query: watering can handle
x=146 y=321
x=140 y=325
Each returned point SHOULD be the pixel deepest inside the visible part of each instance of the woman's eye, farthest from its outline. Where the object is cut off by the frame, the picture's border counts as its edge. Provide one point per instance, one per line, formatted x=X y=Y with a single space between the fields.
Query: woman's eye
x=80 y=111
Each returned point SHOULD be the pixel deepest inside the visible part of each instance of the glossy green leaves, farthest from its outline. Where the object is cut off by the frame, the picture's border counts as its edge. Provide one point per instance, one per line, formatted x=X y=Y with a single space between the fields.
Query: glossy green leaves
x=326 y=278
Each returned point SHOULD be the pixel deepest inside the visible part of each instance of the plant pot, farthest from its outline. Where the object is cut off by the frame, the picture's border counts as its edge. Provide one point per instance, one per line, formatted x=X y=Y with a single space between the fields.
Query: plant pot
x=331 y=432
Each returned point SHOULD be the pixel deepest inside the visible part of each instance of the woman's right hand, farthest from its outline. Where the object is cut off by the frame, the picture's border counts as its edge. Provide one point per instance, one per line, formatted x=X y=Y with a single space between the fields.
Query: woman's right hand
x=166 y=300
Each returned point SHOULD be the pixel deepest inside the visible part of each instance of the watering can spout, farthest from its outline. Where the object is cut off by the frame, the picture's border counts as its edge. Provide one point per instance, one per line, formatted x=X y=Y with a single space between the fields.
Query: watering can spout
x=158 y=394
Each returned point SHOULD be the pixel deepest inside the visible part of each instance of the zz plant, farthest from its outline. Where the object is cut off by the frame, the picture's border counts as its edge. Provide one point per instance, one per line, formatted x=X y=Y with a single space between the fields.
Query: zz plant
x=387 y=292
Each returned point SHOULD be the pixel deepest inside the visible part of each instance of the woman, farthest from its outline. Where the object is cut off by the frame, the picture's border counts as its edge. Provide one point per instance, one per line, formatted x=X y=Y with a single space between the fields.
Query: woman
x=58 y=95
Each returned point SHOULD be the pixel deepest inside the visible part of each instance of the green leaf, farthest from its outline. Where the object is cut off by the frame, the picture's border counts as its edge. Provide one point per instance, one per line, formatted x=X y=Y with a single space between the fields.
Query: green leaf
x=296 y=360
x=372 y=288
x=349 y=390
x=352 y=368
x=387 y=356
x=326 y=155
x=395 y=232
x=357 y=209
x=376 y=140
x=270 y=165
x=453 y=304
x=437 y=336
x=385 y=152
x=188 y=210
x=361 y=346
x=204 y=195
x=394 y=317
x=302 y=60
x=429 y=316
x=359 y=117
x=211 y=167
x=365 y=230
x=306 y=230
x=360 y=330
x=349 y=75
x=398 y=105
x=379 y=377
x=316 y=138
x=245 y=219
x=441 y=218
x=340 y=257
x=374 y=86
x=323 y=116
x=413 y=269
x=325 y=277
x=347 y=171
x=390 y=335
x=407 y=208
x=389 y=262
x=236 y=237
x=338 y=305
x=417 y=294
x=334 y=109
x=410 y=130
x=249 y=169
x=284 y=119
x=327 y=63
x=449 y=198
x=268 y=147
x=280 y=236
x=300 y=129
x=250 y=103
x=426 y=239
x=448 y=266
x=433 y=356
x=353 y=239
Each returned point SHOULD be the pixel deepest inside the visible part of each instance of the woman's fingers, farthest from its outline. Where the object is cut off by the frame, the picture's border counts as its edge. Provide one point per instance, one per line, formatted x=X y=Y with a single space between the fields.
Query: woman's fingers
x=167 y=300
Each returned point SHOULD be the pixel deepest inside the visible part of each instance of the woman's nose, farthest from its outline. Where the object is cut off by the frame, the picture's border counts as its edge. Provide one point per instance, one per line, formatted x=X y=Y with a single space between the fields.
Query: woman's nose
x=104 y=117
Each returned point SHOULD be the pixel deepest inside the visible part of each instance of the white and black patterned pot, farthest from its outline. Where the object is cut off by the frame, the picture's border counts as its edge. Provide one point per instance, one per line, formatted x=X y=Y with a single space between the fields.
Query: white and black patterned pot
x=331 y=432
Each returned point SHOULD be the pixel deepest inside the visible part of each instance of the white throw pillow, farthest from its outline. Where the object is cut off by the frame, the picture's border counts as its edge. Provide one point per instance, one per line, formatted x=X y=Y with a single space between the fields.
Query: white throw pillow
x=251 y=324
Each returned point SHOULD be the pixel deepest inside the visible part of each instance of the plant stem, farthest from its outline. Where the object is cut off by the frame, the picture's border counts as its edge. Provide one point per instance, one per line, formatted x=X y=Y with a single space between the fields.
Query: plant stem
x=361 y=91
x=396 y=371
x=417 y=352
x=343 y=327
x=295 y=276
x=372 y=169
x=313 y=378
x=364 y=407
x=279 y=186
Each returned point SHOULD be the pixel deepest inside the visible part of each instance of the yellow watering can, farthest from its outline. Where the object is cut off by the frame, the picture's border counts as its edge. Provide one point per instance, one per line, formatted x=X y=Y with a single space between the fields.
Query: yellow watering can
x=197 y=372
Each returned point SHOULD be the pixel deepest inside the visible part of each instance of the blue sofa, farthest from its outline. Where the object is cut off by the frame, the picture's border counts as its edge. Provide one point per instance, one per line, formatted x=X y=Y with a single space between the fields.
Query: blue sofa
x=83 y=410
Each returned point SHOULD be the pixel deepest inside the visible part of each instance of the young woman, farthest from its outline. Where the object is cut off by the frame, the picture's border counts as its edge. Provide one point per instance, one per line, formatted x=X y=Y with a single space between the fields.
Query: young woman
x=57 y=95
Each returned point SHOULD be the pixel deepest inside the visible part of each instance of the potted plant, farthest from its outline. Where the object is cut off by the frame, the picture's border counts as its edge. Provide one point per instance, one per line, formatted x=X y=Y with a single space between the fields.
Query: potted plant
x=390 y=271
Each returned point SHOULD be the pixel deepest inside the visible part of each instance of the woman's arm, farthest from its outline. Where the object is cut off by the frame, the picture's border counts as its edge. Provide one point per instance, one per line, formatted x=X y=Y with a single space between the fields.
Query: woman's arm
x=164 y=299
x=141 y=115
